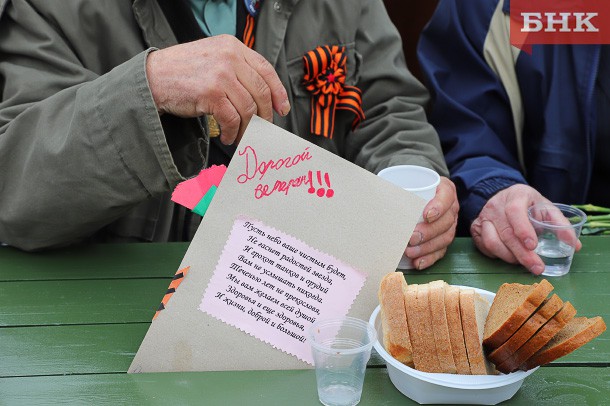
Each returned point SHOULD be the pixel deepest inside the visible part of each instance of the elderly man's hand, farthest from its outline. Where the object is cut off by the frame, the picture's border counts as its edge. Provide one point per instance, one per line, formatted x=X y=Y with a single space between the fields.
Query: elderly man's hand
x=219 y=76
x=503 y=230
x=431 y=238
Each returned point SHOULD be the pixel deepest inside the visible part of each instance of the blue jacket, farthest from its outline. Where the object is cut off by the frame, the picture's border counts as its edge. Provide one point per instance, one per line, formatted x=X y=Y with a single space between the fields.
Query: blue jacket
x=505 y=116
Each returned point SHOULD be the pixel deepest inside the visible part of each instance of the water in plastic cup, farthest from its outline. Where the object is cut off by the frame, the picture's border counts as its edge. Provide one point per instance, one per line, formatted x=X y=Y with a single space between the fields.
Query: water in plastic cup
x=416 y=179
x=558 y=227
x=341 y=347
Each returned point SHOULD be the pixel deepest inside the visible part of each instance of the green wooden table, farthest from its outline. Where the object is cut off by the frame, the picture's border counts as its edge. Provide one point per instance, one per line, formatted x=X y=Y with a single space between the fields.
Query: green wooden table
x=72 y=320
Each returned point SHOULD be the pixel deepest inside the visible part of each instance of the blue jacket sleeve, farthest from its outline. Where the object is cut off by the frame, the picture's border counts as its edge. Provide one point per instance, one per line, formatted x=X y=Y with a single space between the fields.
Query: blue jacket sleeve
x=470 y=110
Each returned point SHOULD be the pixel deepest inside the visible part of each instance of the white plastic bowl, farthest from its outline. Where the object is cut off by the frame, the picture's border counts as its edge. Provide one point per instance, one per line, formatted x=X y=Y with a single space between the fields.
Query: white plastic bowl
x=426 y=388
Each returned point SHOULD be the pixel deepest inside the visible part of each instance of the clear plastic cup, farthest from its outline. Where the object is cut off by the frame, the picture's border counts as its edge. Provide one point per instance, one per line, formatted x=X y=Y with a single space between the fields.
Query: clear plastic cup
x=558 y=228
x=416 y=179
x=341 y=348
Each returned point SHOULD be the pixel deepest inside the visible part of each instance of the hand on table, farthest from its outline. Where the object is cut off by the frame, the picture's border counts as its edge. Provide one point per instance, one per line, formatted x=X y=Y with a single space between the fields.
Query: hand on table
x=431 y=237
x=219 y=76
x=503 y=230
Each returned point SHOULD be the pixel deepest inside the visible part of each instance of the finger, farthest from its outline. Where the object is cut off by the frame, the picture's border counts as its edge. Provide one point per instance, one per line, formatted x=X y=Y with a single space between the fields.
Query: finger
x=258 y=89
x=442 y=201
x=522 y=226
x=476 y=231
x=498 y=225
x=428 y=260
x=430 y=237
x=228 y=119
x=279 y=96
x=244 y=104
x=526 y=257
x=439 y=242
x=487 y=240
x=508 y=239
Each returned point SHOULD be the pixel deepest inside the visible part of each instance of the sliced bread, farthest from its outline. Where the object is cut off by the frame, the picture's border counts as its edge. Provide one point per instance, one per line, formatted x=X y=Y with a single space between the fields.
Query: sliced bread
x=514 y=303
x=543 y=314
x=539 y=339
x=575 y=334
x=474 y=310
x=440 y=328
x=456 y=333
x=420 y=328
x=394 y=317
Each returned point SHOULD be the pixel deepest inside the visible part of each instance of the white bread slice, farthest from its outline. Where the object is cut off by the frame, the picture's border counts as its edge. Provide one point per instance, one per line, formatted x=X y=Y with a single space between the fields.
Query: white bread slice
x=539 y=339
x=440 y=328
x=543 y=314
x=474 y=310
x=394 y=317
x=456 y=334
x=575 y=334
x=420 y=329
x=513 y=305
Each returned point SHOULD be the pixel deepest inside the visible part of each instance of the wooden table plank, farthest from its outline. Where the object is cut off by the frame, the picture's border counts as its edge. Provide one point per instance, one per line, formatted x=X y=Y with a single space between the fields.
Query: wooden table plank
x=61 y=350
x=139 y=260
x=85 y=349
x=135 y=300
x=462 y=257
x=98 y=261
x=80 y=301
x=547 y=386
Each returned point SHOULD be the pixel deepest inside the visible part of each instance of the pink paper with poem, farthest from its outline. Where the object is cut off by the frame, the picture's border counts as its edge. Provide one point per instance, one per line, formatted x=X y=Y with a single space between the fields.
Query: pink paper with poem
x=273 y=286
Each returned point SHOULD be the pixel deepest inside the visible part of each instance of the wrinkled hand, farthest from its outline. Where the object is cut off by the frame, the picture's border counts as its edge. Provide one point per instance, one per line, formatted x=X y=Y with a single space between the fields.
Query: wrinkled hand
x=431 y=238
x=503 y=230
x=219 y=76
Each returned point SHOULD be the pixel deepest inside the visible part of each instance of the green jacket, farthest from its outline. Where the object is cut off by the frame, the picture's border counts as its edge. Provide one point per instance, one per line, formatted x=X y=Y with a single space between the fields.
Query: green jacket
x=84 y=154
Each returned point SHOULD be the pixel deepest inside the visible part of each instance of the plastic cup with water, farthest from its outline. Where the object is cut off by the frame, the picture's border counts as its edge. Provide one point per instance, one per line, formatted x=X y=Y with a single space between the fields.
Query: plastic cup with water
x=558 y=228
x=341 y=348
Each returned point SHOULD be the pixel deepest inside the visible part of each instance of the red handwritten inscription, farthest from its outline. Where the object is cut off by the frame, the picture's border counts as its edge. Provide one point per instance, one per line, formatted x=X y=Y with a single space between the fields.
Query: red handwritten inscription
x=281 y=186
x=253 y=168
x=321 y=191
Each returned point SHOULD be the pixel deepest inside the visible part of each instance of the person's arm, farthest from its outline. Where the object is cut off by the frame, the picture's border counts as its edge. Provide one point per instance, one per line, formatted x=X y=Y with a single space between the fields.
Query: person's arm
x=238 y=83
x=475 y=118
x=395 y=130
x=503 y=230
x=80 y=147
x=471 y=109
x=77 y=150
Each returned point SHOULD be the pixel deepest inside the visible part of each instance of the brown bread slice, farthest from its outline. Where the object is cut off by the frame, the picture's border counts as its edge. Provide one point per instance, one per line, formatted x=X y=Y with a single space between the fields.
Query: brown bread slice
x=394 y=317
x=420 y=329
x=546 y=310
x=539 y=339
x=440 y=328
x=514 y=303
x=456 y=334
x=474 y=311
x=578 y=332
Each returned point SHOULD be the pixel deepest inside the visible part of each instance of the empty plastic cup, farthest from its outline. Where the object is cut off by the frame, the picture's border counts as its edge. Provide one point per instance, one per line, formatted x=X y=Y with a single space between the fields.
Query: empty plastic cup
x=416 y=179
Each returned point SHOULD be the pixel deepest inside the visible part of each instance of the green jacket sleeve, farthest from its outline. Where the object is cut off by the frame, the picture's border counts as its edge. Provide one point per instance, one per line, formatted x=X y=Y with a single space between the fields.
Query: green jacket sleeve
x=77 y=148
x=395 y=130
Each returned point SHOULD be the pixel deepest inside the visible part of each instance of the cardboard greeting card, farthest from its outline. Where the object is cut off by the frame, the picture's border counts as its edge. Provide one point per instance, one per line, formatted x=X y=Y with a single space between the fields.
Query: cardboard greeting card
x=293 y=234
